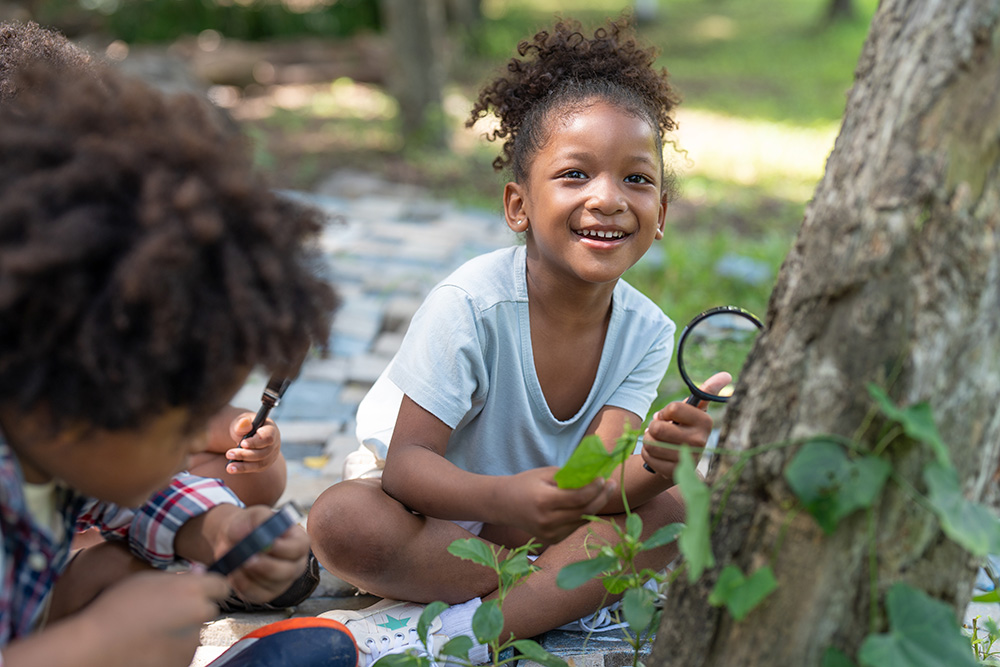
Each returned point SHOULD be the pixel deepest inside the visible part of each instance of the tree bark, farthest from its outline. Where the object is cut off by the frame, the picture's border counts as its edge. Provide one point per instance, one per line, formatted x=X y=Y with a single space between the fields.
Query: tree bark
x=416 y=29
x=893 y=280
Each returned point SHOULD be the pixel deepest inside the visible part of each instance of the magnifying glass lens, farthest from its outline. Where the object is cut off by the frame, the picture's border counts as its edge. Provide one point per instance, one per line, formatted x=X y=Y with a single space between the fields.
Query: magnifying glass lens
x=717 y=340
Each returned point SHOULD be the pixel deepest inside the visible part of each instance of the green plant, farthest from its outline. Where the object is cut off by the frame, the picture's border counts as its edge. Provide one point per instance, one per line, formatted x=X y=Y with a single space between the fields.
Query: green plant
x=983 y=646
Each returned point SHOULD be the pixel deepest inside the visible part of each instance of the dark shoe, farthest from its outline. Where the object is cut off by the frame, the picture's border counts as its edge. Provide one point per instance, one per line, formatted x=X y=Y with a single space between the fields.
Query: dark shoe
x=298 y=592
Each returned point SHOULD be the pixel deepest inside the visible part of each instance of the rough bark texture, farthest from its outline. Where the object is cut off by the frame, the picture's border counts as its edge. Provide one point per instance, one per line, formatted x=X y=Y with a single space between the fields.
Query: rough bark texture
x=894 y=280
x=416 y=29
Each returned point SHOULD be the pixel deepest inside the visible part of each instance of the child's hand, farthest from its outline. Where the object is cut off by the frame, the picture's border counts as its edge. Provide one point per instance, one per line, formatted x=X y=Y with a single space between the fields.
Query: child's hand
x=269 y=573
x=257 y=452
x=154 y=619
x=536 y=505
x=679 y=424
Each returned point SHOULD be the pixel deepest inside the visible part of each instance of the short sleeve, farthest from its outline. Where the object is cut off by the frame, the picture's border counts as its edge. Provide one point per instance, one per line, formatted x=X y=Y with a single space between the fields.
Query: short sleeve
x=440 y=364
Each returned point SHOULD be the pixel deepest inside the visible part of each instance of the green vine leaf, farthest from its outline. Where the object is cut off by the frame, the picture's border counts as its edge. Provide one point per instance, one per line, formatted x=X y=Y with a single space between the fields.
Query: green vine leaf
x=639 y=607
x=475 y=550
x=430 y=612
x=694 y=541
x=589 y=461
x=533 y=651
x=741 y=594
x=970 y=524
x=514 y=568
x=487 y=622
x=917 y=422
x=404 y=660
x=663 y=536
x=577 y=574
x=830 y=485
x=458 y=647
x=922 y=632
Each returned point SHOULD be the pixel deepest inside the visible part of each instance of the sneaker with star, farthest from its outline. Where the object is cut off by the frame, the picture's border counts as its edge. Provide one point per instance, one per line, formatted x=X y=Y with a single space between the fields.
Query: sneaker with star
x=386 y=627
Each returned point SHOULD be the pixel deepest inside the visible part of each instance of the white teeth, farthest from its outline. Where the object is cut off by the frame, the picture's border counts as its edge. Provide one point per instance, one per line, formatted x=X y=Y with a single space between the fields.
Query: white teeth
x=592 y=233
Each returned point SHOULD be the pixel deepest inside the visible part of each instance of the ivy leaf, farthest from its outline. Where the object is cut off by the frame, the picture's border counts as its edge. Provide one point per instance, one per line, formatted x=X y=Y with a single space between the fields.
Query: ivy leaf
x=663 y=535
x=922 y=631
x=589 y=461
x=579 y=573
x=694 y=542
x=741 y=594
x=514 y=568
x=830 y=485
x=475 y=550
x=458 y=647
x=970 y=524
x=639 y=607
x=917 y=422
x=406 y=659
x=430 y=612
x=834 y=657
x=487 y=622
x=633 y=526
x=534 y=652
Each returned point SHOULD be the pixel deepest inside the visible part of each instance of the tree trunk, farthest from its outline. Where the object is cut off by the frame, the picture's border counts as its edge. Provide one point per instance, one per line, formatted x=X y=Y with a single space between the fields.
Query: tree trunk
x=894 y=280
x=416 y=29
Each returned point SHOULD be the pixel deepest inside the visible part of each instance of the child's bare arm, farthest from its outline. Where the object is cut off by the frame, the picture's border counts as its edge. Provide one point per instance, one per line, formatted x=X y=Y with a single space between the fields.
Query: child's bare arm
x=417 y=475
x=149 y=620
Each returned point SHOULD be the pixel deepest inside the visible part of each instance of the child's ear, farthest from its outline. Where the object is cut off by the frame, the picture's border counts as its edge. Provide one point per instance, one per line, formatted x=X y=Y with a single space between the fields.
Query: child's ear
x=662 y=219
x=514 y=207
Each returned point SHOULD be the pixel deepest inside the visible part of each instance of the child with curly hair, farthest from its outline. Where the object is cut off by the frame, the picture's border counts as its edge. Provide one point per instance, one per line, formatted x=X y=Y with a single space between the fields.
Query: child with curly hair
x=520 y=354
x=253 y=468
x=144 y=271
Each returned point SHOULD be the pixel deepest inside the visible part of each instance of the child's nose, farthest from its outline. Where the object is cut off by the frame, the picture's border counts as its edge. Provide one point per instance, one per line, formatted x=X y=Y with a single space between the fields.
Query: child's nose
x=606 y=196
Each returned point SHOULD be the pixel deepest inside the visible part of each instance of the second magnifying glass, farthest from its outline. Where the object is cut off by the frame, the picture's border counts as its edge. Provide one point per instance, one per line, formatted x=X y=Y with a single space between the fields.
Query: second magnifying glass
x=719 y=339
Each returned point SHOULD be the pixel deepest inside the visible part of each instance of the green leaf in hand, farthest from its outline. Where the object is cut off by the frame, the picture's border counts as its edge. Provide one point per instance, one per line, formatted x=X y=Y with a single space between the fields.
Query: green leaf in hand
x=589 y=461
x=742 y=594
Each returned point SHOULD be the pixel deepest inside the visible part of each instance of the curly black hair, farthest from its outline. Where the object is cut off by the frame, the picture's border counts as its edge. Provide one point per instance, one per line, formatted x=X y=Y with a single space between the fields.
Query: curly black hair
x=22 y=44
x=563 y=68
x=144 y=265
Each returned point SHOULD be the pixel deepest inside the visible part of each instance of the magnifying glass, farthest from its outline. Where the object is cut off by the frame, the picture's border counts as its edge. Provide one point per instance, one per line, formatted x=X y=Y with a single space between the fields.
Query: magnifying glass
x=719 y=339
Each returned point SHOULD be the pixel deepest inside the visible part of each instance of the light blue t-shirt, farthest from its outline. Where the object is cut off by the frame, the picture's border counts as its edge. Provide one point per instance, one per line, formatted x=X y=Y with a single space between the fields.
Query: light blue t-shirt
x=467 y=359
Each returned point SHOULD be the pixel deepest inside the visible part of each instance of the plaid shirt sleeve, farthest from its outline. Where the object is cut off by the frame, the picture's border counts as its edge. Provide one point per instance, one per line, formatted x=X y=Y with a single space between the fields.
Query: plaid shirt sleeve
x=150 y=529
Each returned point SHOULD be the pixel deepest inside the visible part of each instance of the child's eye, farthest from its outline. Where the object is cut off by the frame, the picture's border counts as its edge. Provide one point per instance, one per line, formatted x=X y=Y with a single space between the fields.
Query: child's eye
x=638 y=178
x=574 y=173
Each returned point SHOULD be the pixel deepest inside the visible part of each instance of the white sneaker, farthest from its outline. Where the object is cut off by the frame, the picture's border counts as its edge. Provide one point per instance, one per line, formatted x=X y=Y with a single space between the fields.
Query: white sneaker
x=387 y=627
x=607 y=618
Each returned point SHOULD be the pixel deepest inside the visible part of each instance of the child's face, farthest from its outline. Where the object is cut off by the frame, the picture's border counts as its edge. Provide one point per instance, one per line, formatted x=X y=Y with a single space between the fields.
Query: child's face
x=592 y=200
x=124 y=467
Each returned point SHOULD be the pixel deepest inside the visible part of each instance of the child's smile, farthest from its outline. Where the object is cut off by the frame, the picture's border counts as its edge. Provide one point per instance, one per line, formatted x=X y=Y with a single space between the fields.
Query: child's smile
x=592 y=199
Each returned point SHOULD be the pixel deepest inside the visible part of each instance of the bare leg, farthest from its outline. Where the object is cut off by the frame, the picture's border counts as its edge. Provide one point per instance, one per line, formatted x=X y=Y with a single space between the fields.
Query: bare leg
x=365 y=537
x=253 y=488
x=90 y=572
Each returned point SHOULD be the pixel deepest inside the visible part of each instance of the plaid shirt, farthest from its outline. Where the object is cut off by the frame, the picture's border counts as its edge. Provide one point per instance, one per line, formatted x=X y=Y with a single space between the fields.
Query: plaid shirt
x=31 y=561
